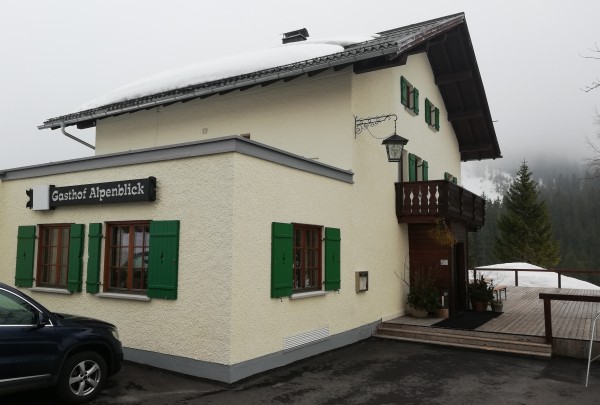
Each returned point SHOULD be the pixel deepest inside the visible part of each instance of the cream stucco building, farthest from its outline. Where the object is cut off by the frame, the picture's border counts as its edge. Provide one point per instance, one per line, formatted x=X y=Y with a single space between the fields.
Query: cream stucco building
x=253 y=220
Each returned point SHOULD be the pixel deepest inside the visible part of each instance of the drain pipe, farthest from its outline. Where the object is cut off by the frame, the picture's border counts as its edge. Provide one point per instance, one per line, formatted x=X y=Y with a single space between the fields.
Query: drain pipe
x=65 y=133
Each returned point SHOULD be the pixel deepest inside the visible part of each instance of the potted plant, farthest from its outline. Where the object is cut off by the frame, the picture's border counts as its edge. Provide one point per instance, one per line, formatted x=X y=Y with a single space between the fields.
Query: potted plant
x=423 y=294
x=442 y=234
x=442 y=310
x=481 y=293
x=497 y=305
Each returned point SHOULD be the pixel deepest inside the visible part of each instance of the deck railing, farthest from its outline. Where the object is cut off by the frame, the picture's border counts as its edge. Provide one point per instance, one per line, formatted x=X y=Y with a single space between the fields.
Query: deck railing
x=559 y=272
x=547 y=297
x=426 y=201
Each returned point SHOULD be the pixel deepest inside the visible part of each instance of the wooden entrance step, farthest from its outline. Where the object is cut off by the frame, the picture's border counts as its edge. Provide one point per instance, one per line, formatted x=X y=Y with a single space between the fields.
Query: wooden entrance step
x=469 y=339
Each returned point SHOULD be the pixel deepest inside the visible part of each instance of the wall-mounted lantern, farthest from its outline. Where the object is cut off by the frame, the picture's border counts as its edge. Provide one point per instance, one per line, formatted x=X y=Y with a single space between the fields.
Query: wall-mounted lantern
x=394 y=144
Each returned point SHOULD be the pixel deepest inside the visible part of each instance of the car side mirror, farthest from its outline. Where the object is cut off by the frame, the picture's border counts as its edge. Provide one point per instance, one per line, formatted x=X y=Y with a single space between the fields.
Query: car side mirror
x=41 y=319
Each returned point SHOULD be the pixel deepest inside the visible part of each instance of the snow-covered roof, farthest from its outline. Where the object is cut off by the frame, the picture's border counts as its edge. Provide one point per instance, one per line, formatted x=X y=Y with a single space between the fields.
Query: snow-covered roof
x=364 y=52
x=262 y=66
x=230 y=66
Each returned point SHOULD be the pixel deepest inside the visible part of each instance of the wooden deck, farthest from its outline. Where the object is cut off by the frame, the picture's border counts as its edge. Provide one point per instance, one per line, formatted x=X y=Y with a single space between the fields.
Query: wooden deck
x=523 y=314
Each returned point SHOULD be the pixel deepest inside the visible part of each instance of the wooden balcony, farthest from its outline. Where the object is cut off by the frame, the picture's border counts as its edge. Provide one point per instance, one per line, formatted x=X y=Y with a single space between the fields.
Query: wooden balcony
x=427 y=201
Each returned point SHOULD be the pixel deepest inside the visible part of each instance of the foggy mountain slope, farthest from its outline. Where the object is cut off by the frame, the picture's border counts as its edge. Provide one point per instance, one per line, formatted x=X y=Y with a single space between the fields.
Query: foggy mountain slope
x=570 y=196
x=493 y=177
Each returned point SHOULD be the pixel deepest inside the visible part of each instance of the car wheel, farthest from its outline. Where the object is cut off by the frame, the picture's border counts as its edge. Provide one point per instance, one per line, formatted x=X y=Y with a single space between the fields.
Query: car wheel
x=82 y=377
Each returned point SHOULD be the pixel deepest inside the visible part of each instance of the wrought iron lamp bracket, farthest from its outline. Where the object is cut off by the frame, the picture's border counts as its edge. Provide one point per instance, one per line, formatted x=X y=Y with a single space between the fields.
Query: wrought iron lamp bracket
x=365 y=123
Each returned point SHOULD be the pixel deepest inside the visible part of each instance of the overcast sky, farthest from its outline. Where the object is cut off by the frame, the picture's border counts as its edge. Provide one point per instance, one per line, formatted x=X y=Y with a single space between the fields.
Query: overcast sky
x=60 y=54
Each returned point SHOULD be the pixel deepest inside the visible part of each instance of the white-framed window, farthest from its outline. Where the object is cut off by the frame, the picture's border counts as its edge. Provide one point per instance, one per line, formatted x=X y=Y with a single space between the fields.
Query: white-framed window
x=140 y=257
x=418 y=169
x=450 y=177
x=298 y=264
x=56 y=263
x=432 y=115
x=409 y=96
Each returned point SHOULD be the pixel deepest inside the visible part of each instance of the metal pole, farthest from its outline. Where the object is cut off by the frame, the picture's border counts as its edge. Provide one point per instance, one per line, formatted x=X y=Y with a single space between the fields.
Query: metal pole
x=559 y=283
x=548 y=320
x=400 y=168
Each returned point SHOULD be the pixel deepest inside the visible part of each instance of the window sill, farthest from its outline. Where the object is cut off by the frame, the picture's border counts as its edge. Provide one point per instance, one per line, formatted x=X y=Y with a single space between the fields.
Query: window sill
x=50 y=290
x=299 y=296
x=118 y=296
x=410 y=111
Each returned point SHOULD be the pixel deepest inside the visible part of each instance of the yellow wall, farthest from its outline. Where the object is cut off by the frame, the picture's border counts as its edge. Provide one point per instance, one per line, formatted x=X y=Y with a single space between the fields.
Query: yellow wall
x=311 y=117
x=307 y=116
x=199 y=193
x=226 y=204
x=378 y=93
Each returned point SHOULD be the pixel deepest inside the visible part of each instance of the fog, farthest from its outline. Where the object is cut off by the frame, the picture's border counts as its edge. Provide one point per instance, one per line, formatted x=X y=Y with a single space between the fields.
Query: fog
x=61 y=54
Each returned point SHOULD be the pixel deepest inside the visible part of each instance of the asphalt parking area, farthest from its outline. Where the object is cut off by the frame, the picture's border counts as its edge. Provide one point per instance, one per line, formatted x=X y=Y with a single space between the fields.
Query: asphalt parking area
x=375 y=371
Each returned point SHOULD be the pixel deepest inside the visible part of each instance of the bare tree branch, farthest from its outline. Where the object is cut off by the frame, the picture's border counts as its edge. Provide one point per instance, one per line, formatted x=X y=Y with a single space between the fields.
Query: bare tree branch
x=593 y=163
x=594 y=50
x=595 y=84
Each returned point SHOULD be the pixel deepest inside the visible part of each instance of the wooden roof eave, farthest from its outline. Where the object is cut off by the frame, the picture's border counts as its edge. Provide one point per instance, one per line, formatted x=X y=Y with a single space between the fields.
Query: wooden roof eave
x=456 y=110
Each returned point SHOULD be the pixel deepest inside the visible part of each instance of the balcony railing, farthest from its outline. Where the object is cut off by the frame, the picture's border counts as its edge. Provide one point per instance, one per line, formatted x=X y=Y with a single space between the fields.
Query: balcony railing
x=427 y=201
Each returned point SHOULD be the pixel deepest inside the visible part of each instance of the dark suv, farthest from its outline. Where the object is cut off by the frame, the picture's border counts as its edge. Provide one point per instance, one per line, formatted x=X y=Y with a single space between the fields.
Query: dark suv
x=39 y=348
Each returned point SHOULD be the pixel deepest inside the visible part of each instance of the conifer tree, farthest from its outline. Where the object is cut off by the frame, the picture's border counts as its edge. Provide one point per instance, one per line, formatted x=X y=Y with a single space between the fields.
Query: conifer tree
x=524 y=227
x=481 y=243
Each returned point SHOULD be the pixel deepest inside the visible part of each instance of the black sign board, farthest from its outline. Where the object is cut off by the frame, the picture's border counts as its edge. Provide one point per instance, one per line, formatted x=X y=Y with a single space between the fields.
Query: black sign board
x=104 y=193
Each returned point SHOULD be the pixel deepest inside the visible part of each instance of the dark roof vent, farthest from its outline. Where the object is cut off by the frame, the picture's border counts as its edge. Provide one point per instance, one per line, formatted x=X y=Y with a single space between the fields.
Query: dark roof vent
x=295 y=36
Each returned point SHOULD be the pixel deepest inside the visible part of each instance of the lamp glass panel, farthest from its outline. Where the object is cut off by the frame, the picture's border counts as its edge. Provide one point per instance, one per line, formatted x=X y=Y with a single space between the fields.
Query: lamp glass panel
x=394 y=152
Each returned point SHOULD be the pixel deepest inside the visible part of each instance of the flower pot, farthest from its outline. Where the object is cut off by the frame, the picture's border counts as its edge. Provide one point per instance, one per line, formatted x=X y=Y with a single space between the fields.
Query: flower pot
x=442 y=313
x=419 y=312
x=497 y=306
x=479 y=306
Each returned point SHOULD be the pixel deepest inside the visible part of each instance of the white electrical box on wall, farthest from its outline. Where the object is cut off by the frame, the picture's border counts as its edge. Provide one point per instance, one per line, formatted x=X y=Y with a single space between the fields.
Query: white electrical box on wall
x=362 y=281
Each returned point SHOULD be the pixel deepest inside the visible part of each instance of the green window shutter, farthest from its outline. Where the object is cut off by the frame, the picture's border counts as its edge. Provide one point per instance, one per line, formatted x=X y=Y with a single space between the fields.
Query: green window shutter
x=76 y=236
x=427 y=111
x=416 y=100
x=282 y=249
x=454 y=180
x=425 y=171
x=163 y=259
x=412 y=167
x=25 y=256
x=332 y=259
x=437 y=119
x=447 y=176
x=403 y=91
x=92 y=284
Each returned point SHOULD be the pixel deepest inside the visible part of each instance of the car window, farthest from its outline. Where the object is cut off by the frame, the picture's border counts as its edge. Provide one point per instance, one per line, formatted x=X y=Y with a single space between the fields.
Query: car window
x=15 y=311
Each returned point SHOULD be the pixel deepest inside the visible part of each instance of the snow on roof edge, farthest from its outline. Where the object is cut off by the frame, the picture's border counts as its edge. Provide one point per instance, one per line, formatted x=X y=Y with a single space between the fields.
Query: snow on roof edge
x=228 y=66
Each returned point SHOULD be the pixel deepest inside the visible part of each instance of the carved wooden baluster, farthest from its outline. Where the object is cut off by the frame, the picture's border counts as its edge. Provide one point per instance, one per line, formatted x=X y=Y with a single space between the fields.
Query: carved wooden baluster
x=437 y=199
x=428 y=199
